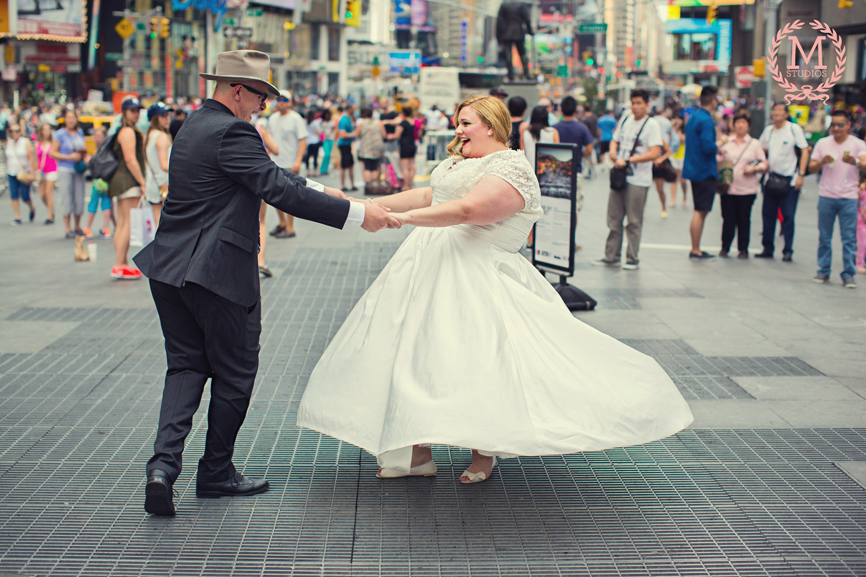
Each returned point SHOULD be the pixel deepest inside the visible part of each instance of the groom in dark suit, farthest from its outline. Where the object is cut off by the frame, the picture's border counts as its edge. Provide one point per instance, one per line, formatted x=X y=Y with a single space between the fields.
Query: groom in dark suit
x=204 y=278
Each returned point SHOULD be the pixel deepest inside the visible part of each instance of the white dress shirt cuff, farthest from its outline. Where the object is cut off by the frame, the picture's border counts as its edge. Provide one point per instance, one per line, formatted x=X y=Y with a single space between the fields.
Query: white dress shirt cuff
x=317 y=186
x=356 y=214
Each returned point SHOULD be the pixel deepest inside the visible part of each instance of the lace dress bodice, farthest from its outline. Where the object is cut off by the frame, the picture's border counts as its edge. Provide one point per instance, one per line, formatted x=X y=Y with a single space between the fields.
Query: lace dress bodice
x=455 y=177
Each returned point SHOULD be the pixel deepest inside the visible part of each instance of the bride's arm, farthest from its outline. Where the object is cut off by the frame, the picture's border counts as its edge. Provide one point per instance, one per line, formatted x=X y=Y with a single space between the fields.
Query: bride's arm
x=491 y=200
x=407 y=200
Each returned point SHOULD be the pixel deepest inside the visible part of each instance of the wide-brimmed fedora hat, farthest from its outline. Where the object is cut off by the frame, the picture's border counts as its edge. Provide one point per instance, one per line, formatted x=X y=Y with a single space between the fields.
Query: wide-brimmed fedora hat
x=242 y=66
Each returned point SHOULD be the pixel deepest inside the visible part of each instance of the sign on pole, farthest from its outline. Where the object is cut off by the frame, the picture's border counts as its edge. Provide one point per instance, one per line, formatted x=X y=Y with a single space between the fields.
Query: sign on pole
x=592 y=28
x=124 y=29
x=744 y=76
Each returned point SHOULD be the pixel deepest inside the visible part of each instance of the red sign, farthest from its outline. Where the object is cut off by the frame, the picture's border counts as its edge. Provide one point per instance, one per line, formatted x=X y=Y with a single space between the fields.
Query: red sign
x=743 y=76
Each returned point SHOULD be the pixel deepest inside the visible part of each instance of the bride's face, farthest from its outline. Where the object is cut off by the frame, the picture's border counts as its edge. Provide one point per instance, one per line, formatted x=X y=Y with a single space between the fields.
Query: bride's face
x=475 y=136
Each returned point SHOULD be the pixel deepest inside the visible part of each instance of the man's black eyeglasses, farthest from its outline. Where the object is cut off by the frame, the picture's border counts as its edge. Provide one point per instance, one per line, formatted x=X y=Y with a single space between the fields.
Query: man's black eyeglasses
x=838 y=124
x=261 y=95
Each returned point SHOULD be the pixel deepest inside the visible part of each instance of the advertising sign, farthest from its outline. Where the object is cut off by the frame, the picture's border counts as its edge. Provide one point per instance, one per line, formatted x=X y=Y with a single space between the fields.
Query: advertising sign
x=52 y=20
x=404 y=61
x=703 y=39
x=556 y=169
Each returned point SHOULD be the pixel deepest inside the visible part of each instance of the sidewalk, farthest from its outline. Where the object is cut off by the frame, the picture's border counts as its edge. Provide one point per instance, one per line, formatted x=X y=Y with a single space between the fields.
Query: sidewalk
x=768 y=481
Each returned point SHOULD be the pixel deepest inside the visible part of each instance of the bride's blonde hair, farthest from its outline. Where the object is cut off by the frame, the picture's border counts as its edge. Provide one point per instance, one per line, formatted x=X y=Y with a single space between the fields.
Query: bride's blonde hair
x=493 y=114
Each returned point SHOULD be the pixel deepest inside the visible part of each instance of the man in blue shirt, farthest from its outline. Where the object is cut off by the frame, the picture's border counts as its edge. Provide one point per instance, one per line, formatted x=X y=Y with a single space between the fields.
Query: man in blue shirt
x=699 y=166
x=573 y=132
x=606 y=126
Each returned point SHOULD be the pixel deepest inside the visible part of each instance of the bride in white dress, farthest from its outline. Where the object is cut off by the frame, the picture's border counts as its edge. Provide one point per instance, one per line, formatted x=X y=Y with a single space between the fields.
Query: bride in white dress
x=460 y=341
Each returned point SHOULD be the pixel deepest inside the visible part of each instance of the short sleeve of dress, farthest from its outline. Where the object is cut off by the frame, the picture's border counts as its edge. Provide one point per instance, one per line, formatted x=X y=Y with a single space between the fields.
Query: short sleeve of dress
x=512 y=167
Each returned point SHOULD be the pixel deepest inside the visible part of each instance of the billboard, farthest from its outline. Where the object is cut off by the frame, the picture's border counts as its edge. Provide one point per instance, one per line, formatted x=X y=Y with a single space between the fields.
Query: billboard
x=699 y=46
x=62 y=20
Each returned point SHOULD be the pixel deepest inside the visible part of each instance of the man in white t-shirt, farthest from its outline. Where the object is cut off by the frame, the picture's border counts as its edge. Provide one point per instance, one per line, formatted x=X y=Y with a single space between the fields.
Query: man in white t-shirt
x=637 y=128
x=780 y=142
x=841 y=158
x=290 y=133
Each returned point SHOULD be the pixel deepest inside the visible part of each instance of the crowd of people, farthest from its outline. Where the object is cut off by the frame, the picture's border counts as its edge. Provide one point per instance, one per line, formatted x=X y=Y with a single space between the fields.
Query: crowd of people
x=673 y=147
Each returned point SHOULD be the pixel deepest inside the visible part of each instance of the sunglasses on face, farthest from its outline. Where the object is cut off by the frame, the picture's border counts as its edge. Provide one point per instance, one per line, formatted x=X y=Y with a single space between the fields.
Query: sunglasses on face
x=281 y=99
x=261 y=95
x=838 y=124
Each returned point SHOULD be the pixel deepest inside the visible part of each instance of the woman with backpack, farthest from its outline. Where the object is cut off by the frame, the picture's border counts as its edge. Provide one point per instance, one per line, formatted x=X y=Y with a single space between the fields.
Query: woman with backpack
x=127 y=185
x=371 y=147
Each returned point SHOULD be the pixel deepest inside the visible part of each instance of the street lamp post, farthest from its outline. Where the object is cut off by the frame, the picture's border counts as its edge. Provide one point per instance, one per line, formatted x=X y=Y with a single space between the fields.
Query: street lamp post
x=772 y=22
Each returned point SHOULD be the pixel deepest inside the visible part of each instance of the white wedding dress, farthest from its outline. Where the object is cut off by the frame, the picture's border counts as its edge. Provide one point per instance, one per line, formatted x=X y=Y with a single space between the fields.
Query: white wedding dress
x=460 y=341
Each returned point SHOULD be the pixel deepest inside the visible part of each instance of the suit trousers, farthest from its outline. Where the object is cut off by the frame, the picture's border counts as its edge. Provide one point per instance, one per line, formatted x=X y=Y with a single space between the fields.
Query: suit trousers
x=625 y=204
x=206 y=337
x=736 y=217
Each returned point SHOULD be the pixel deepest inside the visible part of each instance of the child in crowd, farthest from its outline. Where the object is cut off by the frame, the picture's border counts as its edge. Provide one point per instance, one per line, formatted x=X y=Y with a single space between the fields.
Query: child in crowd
x=861 y=229
x=99 y=196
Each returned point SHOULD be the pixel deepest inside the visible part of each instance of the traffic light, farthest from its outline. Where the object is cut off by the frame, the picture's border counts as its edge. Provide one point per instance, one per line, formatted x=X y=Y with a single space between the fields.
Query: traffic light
x=639 y=62
x=154 y=26
x=165 y=28
x=711 y=13
x=587 y=57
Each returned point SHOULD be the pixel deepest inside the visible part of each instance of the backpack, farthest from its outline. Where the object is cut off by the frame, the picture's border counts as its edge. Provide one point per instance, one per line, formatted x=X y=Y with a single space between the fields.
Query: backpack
x=104 y=163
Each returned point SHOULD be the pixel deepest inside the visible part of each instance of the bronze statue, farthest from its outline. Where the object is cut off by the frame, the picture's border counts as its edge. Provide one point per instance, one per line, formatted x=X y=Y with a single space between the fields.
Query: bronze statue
x=512 y=26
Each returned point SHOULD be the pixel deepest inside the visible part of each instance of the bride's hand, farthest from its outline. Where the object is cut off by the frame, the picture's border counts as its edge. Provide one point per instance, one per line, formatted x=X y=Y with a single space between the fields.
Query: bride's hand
x=397 y=220
x=336 y=193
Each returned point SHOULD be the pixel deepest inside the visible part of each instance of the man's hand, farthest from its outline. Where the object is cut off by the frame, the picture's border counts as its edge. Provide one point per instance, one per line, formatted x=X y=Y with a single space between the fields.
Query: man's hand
x=749 y=170
x=798 y=184
x=849 y=159
x=658 y=161
x=827 y=159
x=399 y=219
x=620 y=163
x=335 y=192
x=376 y=217
x=296 y=167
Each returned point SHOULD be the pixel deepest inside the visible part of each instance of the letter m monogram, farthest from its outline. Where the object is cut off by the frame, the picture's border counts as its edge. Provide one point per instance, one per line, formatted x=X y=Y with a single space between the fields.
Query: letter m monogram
x=795 y=45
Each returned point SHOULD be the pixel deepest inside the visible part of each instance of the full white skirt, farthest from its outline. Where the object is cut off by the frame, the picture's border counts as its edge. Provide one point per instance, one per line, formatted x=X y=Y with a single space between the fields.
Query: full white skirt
x=461 y=343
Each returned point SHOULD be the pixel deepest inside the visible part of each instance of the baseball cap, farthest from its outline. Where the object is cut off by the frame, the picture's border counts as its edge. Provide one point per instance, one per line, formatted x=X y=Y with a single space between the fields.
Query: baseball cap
x=287 y=94
x=130 y=104
x=498 y=92
x=157 y=109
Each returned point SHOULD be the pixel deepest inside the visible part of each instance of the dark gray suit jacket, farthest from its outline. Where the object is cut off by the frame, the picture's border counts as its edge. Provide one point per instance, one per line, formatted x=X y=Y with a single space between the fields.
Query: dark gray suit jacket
x=208 y=232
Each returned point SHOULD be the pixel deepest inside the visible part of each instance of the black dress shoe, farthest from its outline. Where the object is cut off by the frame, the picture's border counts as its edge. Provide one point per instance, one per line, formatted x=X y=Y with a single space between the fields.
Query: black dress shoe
x=786 y=257
x=158 y=494
x=764 y=255
x=236 y=486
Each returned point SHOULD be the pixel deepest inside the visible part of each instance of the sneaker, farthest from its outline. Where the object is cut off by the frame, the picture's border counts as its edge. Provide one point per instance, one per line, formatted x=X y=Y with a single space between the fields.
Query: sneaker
x=16 y=222
x=49 y=221
x=630 y=265
x=765 y=255
x=32 y=215
x=743 y=254
x=848 y=282
x=278 y=229
x=821 y=278
x=125 y=273
x=723 y=254
x=787 y=257
x=88 y=234
x=105 y=234
x=703 y=256
x=605 y=262
x=79 y=232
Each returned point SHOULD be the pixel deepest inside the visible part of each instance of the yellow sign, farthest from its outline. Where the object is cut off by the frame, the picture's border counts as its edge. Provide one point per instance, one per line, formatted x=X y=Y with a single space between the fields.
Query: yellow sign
x=674 y=12
x=374 y=72
x=125 y=29
x=44 y=68
x=800 y=113
x=10 y=53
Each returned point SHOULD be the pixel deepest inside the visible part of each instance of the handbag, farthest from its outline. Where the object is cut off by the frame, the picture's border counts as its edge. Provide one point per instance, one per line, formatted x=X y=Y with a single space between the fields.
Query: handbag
x=24 y=178
x=670 y=173
x=776 y=184
x=726 y=172
x=617 y=175
x=141 y=226
x=80 y=167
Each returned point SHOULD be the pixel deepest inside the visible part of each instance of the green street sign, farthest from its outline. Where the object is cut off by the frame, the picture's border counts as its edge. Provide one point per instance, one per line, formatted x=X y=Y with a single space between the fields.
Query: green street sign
x=255 y=12
x=113 y=56
x=592 y=28
x=140 y=26
x=229 y=21
x=562 y=70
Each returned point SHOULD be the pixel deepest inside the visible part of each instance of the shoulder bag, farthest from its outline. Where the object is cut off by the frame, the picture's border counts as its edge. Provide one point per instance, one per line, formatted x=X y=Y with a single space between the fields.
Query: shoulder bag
x=617 y=175
x=726 y=172
x=776 y=184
